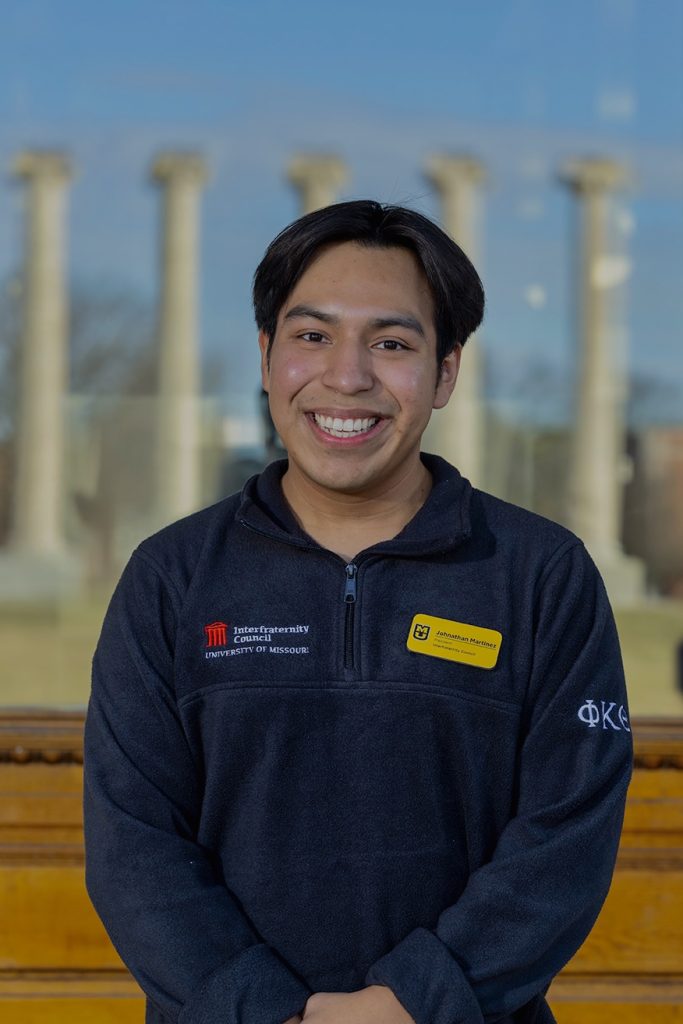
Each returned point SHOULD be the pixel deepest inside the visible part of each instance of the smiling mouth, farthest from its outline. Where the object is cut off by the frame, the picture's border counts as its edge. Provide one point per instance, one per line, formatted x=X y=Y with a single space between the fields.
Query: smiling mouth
x=337 y=427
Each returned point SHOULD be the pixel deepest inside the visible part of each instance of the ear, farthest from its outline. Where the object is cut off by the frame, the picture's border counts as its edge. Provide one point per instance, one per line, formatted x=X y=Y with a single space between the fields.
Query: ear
x=263 y=340
x=448 y=374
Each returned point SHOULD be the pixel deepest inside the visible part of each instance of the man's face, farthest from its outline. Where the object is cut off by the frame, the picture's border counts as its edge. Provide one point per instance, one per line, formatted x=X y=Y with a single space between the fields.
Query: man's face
x=353 y=372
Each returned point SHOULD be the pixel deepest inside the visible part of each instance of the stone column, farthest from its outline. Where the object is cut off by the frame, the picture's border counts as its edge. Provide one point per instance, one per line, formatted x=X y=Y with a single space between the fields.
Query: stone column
x=596 y=469
x=180 y=176
x=37 y=522
x=317 y=177
x=457 y=431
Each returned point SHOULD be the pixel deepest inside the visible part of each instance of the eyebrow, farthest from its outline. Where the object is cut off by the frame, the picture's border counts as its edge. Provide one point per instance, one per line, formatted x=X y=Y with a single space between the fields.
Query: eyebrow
x=411 y=323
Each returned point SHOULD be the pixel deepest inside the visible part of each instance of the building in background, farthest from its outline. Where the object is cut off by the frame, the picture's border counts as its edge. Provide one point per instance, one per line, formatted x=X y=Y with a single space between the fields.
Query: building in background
x=83 y=479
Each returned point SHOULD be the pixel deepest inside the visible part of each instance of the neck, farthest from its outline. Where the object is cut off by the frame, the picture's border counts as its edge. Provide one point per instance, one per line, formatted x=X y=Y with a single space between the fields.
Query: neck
x=346 y=523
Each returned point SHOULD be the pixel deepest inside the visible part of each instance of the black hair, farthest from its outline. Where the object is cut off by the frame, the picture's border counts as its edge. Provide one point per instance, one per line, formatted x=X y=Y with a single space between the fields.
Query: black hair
x=456 y=289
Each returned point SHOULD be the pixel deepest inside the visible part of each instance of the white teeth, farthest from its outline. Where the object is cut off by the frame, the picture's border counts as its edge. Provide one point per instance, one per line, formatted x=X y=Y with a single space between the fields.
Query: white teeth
x=344 y=428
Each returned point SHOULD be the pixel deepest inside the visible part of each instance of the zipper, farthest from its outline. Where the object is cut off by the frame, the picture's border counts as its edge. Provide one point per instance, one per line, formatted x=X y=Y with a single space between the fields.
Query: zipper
x=351 y=571
x=350 y=599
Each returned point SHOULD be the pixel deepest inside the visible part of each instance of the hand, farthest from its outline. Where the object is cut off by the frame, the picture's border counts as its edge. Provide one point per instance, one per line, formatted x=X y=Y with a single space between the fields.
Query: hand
x=293 y=1020
x=375 y=1004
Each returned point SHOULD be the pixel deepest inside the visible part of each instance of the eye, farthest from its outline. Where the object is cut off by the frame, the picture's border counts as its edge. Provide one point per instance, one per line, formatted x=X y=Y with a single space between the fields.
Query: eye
x=312 y=336
x=391 y=345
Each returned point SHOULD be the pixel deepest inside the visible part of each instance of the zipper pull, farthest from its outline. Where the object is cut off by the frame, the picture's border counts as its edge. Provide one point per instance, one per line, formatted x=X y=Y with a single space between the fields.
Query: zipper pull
x=350 y=590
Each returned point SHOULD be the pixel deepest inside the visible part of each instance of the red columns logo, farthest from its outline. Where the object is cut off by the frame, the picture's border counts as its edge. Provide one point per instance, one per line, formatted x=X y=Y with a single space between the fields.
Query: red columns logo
x=216 y=634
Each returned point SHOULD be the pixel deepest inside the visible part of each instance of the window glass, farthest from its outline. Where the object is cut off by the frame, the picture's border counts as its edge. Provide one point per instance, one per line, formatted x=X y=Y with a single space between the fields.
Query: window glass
x=150 y=160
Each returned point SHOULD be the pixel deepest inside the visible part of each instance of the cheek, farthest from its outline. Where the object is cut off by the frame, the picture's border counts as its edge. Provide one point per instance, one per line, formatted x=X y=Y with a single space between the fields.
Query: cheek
x=288 y=375
x=412 y=386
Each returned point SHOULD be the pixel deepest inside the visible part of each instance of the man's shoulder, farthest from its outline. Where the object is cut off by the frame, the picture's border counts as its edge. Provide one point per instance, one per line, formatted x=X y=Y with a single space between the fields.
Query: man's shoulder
x=175 y=549
x=519 y=526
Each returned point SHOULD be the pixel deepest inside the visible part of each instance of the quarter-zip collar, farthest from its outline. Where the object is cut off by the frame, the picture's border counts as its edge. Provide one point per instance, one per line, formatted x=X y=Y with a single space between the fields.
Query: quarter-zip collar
x=441 y=523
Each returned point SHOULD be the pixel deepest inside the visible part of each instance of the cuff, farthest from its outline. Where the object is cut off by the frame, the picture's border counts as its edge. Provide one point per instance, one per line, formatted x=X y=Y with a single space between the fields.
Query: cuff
x=254 y=987
x=427 y=980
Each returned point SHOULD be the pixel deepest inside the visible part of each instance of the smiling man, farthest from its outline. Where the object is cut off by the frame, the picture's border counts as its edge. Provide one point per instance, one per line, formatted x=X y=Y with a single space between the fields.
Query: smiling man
x=353 y=378
x=357 y=747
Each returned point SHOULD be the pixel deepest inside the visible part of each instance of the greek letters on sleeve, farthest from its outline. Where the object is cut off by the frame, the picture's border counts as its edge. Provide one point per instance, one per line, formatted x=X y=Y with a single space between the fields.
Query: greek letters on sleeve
x=606 y=714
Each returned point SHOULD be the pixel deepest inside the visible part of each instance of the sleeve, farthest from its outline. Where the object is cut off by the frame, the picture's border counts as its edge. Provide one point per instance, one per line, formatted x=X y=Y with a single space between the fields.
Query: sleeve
x=523 y=915
x=173 y=921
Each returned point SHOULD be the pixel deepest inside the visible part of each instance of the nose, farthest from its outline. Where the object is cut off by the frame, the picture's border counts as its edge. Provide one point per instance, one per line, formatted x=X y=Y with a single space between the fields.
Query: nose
x=349 y=367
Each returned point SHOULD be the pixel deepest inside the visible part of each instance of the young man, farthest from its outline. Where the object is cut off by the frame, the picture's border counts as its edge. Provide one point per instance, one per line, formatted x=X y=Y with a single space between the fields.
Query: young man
x=357 y=748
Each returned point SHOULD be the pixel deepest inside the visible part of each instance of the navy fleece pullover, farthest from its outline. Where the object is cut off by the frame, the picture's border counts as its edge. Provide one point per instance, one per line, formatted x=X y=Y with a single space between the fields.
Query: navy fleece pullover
x=282 y=798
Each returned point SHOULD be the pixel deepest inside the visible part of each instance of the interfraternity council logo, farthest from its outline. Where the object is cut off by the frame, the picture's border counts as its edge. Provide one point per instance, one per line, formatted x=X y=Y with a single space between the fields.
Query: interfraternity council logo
x=216 y=634
x=223 y=641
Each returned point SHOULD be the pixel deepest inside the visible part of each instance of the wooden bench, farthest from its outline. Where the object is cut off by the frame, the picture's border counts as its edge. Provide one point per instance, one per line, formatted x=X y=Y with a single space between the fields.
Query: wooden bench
x=57 y=964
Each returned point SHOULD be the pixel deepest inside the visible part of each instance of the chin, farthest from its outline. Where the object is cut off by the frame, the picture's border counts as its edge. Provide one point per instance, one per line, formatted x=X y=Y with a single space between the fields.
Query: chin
x=340 y=482
x=340 y=479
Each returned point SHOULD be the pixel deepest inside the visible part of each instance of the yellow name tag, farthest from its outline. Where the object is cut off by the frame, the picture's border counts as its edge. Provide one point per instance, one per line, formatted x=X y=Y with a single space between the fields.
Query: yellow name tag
x=454 y=641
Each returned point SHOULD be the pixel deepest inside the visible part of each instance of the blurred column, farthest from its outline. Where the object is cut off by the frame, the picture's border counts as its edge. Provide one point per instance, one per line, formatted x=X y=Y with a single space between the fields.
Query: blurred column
x=180 y=176
x=456 y=432
x=596 y=469
x=37 y=522
x=317 y=177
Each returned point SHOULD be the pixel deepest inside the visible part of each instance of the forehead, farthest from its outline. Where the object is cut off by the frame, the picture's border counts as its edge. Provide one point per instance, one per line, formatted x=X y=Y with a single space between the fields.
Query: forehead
x=353 y=276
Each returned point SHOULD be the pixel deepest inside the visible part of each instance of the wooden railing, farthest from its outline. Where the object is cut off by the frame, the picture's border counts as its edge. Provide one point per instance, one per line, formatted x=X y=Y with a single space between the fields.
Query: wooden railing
x=57 y=964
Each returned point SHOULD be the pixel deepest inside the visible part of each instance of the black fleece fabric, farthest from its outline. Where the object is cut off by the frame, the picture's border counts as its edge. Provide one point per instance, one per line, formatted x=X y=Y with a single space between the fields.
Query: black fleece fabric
x=281 y=798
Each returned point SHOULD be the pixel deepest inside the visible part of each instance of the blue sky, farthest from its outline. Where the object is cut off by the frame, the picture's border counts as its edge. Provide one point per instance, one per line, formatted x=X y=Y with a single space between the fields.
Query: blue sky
x=522 y=85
